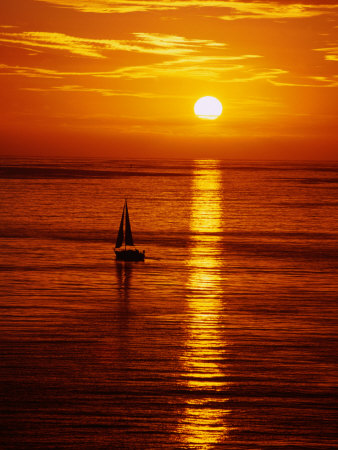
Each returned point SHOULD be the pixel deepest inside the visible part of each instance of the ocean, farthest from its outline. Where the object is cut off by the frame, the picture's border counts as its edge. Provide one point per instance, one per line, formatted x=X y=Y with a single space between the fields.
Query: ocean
x=224 y=337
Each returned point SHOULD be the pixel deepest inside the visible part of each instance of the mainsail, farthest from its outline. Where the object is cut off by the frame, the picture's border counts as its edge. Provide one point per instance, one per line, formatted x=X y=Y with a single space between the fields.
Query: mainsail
x=124 y=234
x=129 y=236
x=119 y=240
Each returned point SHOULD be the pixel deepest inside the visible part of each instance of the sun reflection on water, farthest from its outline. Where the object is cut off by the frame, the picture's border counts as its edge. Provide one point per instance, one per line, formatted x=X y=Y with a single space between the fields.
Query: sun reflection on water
x=204 y=420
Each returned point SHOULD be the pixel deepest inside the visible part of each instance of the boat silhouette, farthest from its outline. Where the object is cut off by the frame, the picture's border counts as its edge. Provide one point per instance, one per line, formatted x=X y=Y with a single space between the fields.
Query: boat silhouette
x=124 y=247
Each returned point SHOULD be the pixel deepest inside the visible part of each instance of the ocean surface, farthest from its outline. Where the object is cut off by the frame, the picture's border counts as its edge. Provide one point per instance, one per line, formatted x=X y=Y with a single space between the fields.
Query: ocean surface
x=225 y=337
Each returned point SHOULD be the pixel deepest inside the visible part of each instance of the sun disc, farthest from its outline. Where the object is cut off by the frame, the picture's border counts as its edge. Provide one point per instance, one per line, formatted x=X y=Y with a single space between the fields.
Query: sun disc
x=208 y=108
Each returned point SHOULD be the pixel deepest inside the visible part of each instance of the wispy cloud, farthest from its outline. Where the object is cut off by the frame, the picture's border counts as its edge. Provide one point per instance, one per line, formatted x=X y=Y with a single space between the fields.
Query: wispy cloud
x=30 y=72
x=233 y=10
x=331 y=53
x=308 y=81
x=212 y=68
x=221 y=70
x=101 y=91
x=116 y=6
x=276 y=10
x=158 y=44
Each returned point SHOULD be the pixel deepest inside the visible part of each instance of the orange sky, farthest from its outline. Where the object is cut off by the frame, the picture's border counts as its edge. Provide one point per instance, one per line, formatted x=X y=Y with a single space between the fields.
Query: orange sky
x=120 y=78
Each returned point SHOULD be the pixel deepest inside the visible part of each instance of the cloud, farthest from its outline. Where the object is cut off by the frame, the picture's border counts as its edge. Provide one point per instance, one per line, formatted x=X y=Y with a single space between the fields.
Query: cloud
x=100 y=91
x=308 y=81
x=331 y=53
x=234 y=10
x=212 y=68
x=115 y=6
x=155 y=43
x=215 y=69
x=29 y=72
x=275 y=10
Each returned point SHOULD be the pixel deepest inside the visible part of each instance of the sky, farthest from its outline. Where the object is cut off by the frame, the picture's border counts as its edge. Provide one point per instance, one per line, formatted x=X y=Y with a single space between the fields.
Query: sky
x=119 y=79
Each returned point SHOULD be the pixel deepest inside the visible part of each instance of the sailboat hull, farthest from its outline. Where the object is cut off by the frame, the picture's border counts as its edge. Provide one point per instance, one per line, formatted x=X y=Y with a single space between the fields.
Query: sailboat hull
x=129 y=255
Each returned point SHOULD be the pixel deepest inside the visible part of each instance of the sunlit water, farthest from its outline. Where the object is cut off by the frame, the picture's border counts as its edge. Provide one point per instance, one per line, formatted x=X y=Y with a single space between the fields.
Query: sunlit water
x=225 y=337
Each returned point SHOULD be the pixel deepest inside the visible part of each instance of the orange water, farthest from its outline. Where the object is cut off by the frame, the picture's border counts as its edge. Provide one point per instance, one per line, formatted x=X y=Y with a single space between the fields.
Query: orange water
x=225 y=337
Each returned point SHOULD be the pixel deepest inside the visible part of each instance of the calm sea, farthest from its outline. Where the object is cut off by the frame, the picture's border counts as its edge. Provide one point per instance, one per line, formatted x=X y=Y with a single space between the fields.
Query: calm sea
x=225 y=337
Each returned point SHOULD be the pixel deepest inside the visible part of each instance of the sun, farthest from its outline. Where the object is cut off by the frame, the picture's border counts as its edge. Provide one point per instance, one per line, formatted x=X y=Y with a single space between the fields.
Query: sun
x=208 y=108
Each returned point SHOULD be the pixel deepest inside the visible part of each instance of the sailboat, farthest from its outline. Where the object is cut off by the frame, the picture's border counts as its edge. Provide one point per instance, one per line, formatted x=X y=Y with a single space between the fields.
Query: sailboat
x=124 y=247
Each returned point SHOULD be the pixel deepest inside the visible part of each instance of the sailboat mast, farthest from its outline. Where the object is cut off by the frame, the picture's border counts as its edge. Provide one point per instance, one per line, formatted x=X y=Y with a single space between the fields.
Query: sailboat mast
x=128 y=234
x=125 y=225
x=121 y=233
